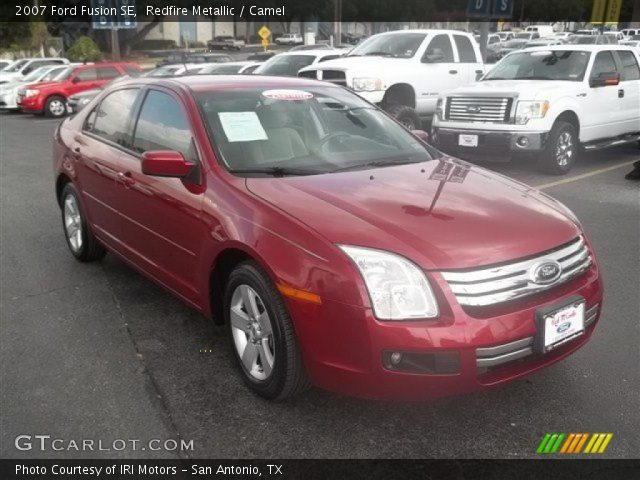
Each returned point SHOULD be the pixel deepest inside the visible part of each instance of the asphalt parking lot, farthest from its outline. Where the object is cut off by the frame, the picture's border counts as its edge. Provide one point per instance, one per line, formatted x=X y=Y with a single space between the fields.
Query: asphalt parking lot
x=97 y=351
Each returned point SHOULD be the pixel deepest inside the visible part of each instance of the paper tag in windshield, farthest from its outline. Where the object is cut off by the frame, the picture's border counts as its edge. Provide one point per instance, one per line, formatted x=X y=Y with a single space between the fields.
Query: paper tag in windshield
x=290 y=95
x=242 y=126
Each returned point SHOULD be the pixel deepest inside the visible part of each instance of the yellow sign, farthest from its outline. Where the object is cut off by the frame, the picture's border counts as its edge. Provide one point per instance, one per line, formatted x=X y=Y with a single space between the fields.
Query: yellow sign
x=607 y=11
x=264 y=32
x=265 y=42
x=597 y=12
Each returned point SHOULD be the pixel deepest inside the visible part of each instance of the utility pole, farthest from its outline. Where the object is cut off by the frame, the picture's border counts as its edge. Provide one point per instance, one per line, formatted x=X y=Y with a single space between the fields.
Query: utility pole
x=115 y=44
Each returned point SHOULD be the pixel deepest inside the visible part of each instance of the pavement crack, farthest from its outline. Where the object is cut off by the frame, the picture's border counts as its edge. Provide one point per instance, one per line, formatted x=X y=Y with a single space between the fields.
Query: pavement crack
x=47 y=292
x=155 y=387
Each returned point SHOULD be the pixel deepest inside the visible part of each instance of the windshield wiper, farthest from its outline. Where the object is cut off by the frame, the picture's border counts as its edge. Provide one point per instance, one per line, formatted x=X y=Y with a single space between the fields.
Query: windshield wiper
x=376 y=163
x=379 y=54
x=275 y=171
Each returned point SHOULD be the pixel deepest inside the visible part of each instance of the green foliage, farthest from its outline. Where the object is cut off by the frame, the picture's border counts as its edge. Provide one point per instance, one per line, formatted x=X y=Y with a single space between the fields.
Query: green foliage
x=84 y=50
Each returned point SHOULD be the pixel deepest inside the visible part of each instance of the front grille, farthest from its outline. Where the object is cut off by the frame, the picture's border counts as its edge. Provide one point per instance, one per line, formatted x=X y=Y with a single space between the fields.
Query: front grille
x=478 y=109
x=334 y=76
x=493 y=285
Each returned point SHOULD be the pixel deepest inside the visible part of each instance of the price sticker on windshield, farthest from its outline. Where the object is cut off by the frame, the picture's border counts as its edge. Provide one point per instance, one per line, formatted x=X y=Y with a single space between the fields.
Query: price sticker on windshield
x=287 y=95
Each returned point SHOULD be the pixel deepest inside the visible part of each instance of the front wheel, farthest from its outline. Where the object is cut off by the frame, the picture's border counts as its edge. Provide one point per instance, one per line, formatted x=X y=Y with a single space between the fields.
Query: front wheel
x=80 y=240
x=407 y=116
x=262 y=335
x=55 y=107
x=561 y=150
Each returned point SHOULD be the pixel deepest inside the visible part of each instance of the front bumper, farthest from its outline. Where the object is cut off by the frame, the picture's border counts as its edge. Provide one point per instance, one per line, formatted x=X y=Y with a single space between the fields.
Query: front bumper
x=345 y=346
x=489 y=141
x=30 y=104
x=8 y=101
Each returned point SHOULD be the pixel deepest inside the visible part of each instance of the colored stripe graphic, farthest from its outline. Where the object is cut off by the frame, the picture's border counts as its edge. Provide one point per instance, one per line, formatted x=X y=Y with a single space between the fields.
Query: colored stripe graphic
x=573 y=443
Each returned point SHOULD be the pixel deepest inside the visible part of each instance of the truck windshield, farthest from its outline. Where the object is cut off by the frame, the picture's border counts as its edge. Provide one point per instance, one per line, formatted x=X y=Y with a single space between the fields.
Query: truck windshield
x=542 y=65
x=305 y=131
x=399 y=45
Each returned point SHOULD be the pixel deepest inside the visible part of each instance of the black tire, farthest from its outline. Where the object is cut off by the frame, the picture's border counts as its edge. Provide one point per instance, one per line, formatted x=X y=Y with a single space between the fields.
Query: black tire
x=90 y=249
x=52 y=109
x=288 y=376
x=405 y=115
x=554 y=160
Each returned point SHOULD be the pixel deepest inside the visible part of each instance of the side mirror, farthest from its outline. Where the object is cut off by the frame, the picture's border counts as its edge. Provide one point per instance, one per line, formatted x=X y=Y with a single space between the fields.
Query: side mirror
x=76 y=80
x=605 y=79
x=434 y=57
x=421 y=134
x=165 y=163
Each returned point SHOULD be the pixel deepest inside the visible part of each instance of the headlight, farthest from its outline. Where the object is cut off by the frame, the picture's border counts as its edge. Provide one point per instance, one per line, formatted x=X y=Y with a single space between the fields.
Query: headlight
x=31 y=93
x=526 y=110
x=367 y=84
x=399 y=290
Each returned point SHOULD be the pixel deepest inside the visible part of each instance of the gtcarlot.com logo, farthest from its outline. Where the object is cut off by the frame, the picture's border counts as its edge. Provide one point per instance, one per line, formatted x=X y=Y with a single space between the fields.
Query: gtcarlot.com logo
x=573 y=443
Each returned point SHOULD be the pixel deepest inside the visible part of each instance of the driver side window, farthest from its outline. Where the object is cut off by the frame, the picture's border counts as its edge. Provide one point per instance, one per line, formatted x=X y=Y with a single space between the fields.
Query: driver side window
x=604 y=63
x=439 y=50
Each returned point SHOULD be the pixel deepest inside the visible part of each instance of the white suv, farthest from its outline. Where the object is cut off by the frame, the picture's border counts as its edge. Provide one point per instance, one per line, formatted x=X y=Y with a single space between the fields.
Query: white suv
x=289 y=39
x=406 y=70
x=550 y=101
x=23 y=67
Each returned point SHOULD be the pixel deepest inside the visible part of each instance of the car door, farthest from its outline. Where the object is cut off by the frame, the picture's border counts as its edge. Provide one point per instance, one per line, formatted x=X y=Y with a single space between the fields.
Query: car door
x=83 y=79
x=602 y=104
x=162 y=224
x=96 y=151
x=441 y=73
x=469 y=64
x=629 y=91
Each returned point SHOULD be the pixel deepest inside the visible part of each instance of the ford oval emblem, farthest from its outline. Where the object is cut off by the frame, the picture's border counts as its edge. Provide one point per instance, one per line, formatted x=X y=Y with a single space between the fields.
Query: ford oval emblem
x=545 y=272
x=474 y=109
x=563 y=327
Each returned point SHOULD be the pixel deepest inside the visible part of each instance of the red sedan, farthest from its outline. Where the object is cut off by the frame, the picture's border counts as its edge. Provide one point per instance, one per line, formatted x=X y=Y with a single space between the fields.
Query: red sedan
x=340 y=249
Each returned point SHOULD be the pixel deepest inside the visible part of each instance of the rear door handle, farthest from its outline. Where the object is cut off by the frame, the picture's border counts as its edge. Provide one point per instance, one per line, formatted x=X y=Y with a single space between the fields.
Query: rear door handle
x=126 y=179
x=453 y=72
x=621 y=93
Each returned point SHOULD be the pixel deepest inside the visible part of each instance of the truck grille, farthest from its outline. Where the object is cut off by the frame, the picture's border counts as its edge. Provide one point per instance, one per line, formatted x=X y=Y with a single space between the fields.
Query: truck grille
x=493 y=285
x=334 y=76
x=478 y=109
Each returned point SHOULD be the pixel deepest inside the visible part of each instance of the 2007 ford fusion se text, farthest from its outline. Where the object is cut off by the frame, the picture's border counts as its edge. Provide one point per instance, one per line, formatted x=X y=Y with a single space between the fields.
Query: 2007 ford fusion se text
x=340 y=249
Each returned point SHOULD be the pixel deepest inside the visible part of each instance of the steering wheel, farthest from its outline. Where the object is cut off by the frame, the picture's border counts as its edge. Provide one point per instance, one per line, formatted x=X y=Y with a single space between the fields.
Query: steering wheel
x=331 y=137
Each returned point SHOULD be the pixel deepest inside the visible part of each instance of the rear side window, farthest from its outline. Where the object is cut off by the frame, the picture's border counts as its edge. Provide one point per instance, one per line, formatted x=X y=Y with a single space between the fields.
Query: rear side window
x=465 y=49
x=111 y=118
x=162 y=125
x=87 y=75
x=439 y=50
x=603 y=63
x=106 y=73
x=630 y=69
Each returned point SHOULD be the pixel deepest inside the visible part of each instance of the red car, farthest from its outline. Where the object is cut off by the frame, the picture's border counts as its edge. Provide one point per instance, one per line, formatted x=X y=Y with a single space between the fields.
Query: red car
x=340 y=249
x=50 y=98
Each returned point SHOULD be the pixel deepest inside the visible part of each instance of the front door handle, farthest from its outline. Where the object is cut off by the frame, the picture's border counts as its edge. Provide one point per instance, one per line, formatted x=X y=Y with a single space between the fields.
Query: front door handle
x=126 y=179
x=621 y=93
x=453 y=72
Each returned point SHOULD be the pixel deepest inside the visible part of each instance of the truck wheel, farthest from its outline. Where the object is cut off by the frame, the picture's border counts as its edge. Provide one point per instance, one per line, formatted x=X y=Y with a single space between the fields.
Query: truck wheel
x=407 y=116
x=561 y=150
x=55 y=107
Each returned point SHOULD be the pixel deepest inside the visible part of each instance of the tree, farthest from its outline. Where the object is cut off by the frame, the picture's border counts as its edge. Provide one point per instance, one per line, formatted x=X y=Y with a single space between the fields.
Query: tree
x=84 y=50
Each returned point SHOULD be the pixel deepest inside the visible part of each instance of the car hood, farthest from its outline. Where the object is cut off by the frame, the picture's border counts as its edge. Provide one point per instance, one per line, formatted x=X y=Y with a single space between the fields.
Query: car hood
x=526 y=89
x=372 y=63
x=442 y=213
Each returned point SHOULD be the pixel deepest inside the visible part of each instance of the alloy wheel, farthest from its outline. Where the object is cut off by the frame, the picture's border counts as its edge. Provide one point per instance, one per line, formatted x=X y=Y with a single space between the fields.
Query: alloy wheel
x=564 y=149
x=252 y=333
x=56 y=107
x=73 y=223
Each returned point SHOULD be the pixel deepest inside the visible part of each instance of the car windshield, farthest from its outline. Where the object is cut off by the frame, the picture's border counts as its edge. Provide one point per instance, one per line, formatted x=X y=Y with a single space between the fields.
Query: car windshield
x=15 y=66
x=166 y=71
x=585 y=40
x=286 y=65
x=398 y=45
x=36 y=74
x=222 y=69
x=311 y=130
x=542 y=65
x=64 y=74
x=525 y=36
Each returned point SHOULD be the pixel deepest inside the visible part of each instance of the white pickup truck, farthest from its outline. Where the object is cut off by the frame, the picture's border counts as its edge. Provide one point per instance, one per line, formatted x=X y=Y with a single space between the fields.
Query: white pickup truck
x=549 y=101
x=406 y=70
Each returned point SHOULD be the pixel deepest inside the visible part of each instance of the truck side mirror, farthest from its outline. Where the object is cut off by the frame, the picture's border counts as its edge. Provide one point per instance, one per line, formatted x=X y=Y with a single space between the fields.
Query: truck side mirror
x=604 y=79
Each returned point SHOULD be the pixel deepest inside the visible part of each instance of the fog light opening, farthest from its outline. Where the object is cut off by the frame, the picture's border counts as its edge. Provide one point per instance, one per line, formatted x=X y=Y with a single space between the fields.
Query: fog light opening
x=396 y=358
x=522 y=142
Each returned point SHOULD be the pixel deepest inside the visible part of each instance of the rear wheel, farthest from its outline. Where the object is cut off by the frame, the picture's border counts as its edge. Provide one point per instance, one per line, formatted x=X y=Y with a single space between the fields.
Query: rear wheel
x=561 y=150
x=407 y=116
x=262 y=335
x=80 y=240
x=55 y=107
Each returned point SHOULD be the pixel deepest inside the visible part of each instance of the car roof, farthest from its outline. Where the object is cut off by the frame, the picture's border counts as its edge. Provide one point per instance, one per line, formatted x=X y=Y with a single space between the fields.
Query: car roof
x=205 y=83
x=424 y=31
x=320 y=52
x=586 y=48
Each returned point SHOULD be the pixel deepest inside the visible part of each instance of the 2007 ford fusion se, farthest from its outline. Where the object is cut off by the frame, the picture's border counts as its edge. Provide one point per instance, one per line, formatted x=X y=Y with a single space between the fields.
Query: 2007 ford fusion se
x=340 y=249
